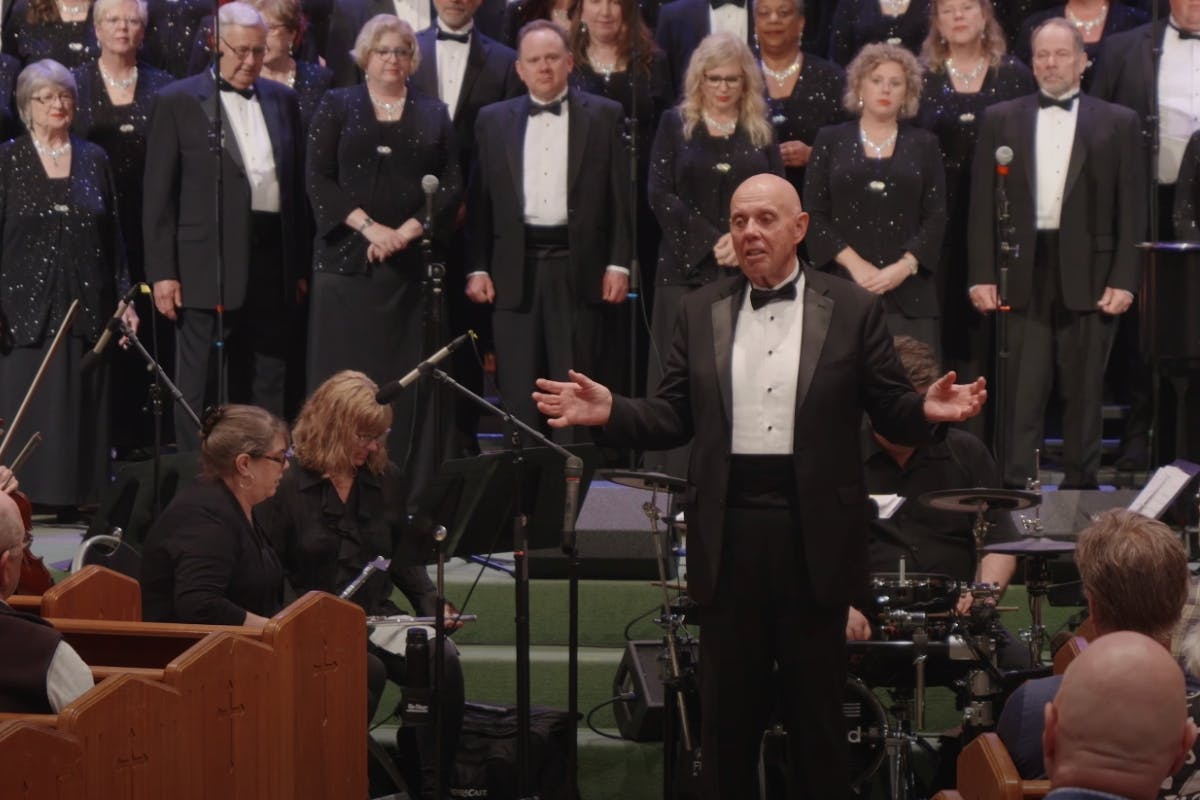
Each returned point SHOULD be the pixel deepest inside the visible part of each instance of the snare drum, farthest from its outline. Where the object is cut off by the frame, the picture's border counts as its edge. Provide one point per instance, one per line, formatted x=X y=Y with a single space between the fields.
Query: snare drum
x=917 y=591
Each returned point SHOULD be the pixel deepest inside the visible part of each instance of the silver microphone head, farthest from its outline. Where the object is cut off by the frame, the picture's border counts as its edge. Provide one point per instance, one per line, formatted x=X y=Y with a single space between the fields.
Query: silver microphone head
x=1004 y=155
x=440 y=533
x=430 y=183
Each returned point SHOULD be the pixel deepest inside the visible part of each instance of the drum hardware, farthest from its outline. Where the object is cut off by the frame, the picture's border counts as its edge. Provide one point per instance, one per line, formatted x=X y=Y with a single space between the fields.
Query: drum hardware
x=1034 y=484
x=1037 y=550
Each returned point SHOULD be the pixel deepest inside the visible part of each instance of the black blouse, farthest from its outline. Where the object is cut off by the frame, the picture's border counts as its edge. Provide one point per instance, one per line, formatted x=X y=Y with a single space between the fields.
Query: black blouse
x=60 y=241
x=815 y=101
x=71 y=44
x=861 y=22
x=205 y=563
x=356 y=161
x=324 y=543
x=170 y=34
x=121 y=132
x=691 y=183
x=882 y=207
x=312 y=82
x=653 y=95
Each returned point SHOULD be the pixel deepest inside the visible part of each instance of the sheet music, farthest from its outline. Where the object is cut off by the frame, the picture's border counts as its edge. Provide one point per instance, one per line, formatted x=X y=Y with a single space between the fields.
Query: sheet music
x=888 y=504
x=1163 y=487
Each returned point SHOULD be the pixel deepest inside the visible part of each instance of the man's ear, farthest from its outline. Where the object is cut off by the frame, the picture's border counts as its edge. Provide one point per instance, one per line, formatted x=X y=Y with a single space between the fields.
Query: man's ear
x=1185 y=745
x=1049 y=731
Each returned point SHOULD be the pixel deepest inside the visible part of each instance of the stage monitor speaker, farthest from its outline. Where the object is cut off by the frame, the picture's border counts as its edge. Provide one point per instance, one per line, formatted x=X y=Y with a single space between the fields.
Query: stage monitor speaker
x=641 y=673
x=613 y=537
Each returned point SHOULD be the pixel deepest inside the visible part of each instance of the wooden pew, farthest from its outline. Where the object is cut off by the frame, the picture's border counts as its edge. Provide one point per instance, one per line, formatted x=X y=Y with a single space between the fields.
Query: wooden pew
x=986 y=772
x=94 y=592
x=56 y=756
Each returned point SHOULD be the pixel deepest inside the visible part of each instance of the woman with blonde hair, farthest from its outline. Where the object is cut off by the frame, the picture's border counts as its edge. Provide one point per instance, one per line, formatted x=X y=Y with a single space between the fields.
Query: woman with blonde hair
x=343 y=504
x=875 y=192
x=717 y=137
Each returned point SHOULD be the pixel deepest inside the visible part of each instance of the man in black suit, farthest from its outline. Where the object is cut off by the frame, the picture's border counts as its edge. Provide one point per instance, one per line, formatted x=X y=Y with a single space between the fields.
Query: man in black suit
x=549 y=224
x=1076 y=191
x=683 y=23
x=768 y=377
x=265 y=253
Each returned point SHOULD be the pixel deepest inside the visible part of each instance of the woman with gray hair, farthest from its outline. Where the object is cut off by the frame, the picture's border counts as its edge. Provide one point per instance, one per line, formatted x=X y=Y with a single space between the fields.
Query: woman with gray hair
x=369 y=148
x=59 y=242
x=875 y=193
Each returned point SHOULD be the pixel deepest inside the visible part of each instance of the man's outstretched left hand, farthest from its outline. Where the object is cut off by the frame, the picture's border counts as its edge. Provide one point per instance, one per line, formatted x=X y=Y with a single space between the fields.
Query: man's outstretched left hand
x=947 y=401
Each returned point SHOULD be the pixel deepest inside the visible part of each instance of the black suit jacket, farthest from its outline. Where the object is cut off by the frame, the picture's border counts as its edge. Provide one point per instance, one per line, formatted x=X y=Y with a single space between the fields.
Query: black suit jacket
x=597 y=195
x=1103 y=213
x=1125 y=69
x=179 y=226
x=490 y=76
x=847 y=366
x=348 y=18
x=681 y=26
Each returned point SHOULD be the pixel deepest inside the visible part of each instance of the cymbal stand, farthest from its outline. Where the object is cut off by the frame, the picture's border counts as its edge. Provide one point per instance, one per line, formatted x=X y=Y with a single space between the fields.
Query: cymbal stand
x=979 y=532
x=1037 y=583
x=1033 y=527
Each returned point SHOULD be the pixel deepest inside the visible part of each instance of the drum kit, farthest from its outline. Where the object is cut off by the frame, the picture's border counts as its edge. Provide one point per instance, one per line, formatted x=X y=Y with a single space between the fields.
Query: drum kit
x=920 y=639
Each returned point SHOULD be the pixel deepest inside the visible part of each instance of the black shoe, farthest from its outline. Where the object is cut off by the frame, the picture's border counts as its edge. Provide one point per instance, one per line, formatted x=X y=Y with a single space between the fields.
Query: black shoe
x=1135 y=456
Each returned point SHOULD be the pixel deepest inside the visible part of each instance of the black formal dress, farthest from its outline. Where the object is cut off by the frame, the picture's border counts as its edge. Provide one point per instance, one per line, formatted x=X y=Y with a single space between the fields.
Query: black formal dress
x=71 y=44
x=10 y=122
x=1120 y=18
x=953 y=117
x=815 y=101
x=324 y=543
x=882 y=207
x=171 y=30
x=60 y=242
x=861 y=22
x=356 y=161
x=311 y=84
x=805 y=560
x=205 y=563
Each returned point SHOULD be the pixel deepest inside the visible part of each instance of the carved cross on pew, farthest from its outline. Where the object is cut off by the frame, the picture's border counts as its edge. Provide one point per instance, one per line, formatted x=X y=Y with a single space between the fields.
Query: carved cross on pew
x=125 y=765
x=231 y=711
x=322 y=670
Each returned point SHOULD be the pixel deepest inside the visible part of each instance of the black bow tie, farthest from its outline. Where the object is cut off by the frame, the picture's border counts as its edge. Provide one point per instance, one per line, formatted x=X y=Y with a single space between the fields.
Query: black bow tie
x=762 y=297
x=447 y=36
x=226 y=86
x=1186 y=35
x=1065 y=103
x=718 y=3
x=554 y=108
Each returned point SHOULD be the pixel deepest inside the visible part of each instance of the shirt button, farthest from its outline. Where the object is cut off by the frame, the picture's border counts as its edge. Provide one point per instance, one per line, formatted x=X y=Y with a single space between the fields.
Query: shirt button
x=770 y=427
x=770 y=352
x=769 y=390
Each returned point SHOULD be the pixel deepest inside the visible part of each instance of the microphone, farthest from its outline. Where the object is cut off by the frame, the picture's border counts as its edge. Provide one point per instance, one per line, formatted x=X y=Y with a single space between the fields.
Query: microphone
x=573 y=474
x=91 y=359
x=389 y=391
x=429 y=185
x=1004 y=157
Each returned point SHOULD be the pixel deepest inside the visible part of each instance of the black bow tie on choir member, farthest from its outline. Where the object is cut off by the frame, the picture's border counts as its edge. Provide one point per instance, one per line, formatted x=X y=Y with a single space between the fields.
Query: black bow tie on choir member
x=1187 y=35
x=718 y=3
x=762 y=297
x=461 y=38
x=226 y=86
x=1065 y=103
x=554 y=108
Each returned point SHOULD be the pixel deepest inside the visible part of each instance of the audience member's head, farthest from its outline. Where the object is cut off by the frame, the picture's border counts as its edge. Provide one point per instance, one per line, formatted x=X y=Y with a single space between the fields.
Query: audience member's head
x=1135 y=574
x=1119 y=723
x=12 y=545
x=919 y=361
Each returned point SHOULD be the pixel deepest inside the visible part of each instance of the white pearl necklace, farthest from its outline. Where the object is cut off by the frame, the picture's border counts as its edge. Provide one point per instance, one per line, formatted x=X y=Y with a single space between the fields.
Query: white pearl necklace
x=1086 y=26
x=781 y=76
x=53 y=153
x=966 y=78
x=879 y=147
x=123 y=83
x=723 y=128
x=391 y=109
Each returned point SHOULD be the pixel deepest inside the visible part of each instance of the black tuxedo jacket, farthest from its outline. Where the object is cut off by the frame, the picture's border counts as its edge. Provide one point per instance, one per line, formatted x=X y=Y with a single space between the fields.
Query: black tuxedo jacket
x=348 y=18
x=846 y=366
x=597 y=195
x=1125 y=69
x=681 y=26
x=178 y=221
x=1103 y=213
x=490 y=77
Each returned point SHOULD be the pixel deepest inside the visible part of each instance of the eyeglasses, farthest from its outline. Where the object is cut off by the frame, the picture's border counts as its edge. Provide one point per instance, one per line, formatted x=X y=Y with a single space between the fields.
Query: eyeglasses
x=281 y=460
x=241 y=52
x=365 y=439
x=115 y=22
x=727 y=80
x=398 y=53
x=63 y=98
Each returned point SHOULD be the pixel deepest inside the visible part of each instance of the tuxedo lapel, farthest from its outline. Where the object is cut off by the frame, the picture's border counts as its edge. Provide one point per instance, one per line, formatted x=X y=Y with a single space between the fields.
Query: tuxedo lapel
x=277 y=127
x=724 y=321
x=577 y=135
x=1026 y=122
x=475 y=62
x=426 y=76
x=818 y=314
x=208 y=97
x=1084 y=120
x=514 y=132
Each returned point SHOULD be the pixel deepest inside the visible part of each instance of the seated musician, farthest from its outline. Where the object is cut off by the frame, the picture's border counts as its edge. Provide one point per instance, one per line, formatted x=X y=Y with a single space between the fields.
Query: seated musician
x=39 y=672
x=205 y=561
x=1135 y=578
x=1118 y=724
x=342 y=505
x=933 y=541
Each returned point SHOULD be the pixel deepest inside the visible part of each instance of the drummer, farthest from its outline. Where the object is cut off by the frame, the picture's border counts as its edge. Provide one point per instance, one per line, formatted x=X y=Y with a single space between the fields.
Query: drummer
x=931 y=541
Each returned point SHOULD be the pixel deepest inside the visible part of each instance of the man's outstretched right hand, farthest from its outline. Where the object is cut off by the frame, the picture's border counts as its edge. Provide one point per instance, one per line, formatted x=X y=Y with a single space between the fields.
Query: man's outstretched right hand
x=579 y=401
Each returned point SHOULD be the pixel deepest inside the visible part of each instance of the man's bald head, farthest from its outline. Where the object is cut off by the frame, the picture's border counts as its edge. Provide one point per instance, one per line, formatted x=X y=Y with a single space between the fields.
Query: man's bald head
x=766 y=221
x=12 y=541
x=1119 y=722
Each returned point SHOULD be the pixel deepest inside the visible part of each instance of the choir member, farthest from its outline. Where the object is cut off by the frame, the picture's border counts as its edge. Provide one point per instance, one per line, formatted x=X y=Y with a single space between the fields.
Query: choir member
x=62 y=31
x=285 y=32
x=1095 y=21
x=858 y=23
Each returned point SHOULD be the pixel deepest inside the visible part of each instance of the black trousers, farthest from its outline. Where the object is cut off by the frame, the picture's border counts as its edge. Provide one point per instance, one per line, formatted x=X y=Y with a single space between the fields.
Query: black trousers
x=256 y=340
x=765 y=619
x=1044 y=338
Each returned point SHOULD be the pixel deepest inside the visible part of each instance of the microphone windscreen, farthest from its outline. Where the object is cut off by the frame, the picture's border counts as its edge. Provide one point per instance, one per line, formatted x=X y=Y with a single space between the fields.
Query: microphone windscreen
x=430 y=184
x=1004 y=155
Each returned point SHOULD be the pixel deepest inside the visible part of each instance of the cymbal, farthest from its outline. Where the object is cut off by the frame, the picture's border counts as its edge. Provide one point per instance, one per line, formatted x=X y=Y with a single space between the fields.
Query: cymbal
x=674 y=586
x=644 y=480
x=972 y=500
x=1031 y=546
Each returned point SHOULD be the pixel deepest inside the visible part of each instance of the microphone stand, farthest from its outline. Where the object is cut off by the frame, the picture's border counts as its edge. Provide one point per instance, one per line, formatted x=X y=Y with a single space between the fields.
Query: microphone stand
x=439 y=656
x=433 y=289
x=216 y=142
x=119 y=326
x=635 y=277
x=1007 y=252
x=521 y=574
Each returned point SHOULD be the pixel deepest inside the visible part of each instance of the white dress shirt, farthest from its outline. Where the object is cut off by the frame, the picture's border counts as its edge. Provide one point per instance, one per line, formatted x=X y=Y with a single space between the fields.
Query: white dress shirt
x=545 y=178
x=451 y=65
x=766 y=358
x=415 y=12
x=1053 y=142
x=253 y=141
x=730 y=19
x=1178 y=101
